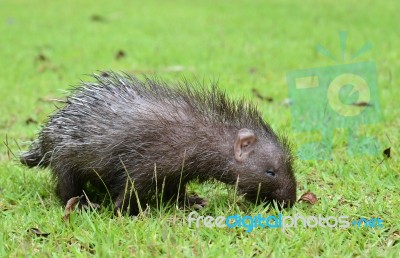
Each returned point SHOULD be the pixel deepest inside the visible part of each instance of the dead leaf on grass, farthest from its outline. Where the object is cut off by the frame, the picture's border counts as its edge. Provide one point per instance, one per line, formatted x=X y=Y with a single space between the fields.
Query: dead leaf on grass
x=41 y=57
x=386 y=153
x=309 y=197
x=71 y=204
x=30 y=120
x=98 y=18
x=120 y=54
x=258 y=95
x=38 y=232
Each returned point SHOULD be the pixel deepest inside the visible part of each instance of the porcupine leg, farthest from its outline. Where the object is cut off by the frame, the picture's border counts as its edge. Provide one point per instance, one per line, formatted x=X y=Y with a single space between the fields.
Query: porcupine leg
x=127 y=200
x=126 y=203
x=70 y=185
x=195 y=200
x=184 y=199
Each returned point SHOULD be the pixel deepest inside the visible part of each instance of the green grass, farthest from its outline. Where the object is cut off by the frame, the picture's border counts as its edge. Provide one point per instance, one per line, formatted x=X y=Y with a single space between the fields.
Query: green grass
x=243 y=44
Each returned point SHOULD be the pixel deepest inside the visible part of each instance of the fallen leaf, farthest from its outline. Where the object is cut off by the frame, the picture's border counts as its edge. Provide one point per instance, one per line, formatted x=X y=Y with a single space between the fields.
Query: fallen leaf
x=98 y=18
x=30 y=120
x=71 y=204
x=258 y=95
x=41 y=57
x=386 y=152
x=38 y=232
x=120 y=54
x=309 y=197
x=362 y=104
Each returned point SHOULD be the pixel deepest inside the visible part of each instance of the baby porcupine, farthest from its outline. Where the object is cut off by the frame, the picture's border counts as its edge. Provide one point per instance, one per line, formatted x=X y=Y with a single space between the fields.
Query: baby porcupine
x=123 y=132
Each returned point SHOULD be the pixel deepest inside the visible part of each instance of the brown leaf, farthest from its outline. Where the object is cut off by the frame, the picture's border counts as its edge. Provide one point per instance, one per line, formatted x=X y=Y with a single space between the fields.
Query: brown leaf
x=98 y=18
x=362 y=104
x=258 y=95
x=386 y=152
x=30 y=120
x=71 y=204
x=309 y=197
x=38 y=232
x=41 y=57
x=120 y=54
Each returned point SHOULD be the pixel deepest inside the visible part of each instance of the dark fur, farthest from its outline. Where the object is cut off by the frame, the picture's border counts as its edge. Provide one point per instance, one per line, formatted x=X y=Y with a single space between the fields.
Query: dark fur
x=122 y=128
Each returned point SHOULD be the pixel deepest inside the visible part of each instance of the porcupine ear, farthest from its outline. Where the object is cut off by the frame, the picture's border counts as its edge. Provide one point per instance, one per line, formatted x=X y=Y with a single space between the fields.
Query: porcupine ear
x=244 y=144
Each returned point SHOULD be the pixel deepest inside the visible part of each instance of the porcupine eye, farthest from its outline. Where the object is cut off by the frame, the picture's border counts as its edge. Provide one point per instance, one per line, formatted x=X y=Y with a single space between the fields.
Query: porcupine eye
x=270 y=173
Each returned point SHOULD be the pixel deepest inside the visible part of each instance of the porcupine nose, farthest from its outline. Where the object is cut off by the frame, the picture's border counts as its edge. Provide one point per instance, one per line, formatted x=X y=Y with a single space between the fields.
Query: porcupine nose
x=285 y=196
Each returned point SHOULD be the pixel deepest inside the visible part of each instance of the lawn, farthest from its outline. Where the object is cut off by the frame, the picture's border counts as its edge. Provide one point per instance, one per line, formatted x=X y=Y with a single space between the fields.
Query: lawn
x=46 y=47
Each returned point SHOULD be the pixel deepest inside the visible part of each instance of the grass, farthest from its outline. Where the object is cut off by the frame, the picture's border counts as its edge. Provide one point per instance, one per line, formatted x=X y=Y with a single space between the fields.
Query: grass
x=47 y=46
